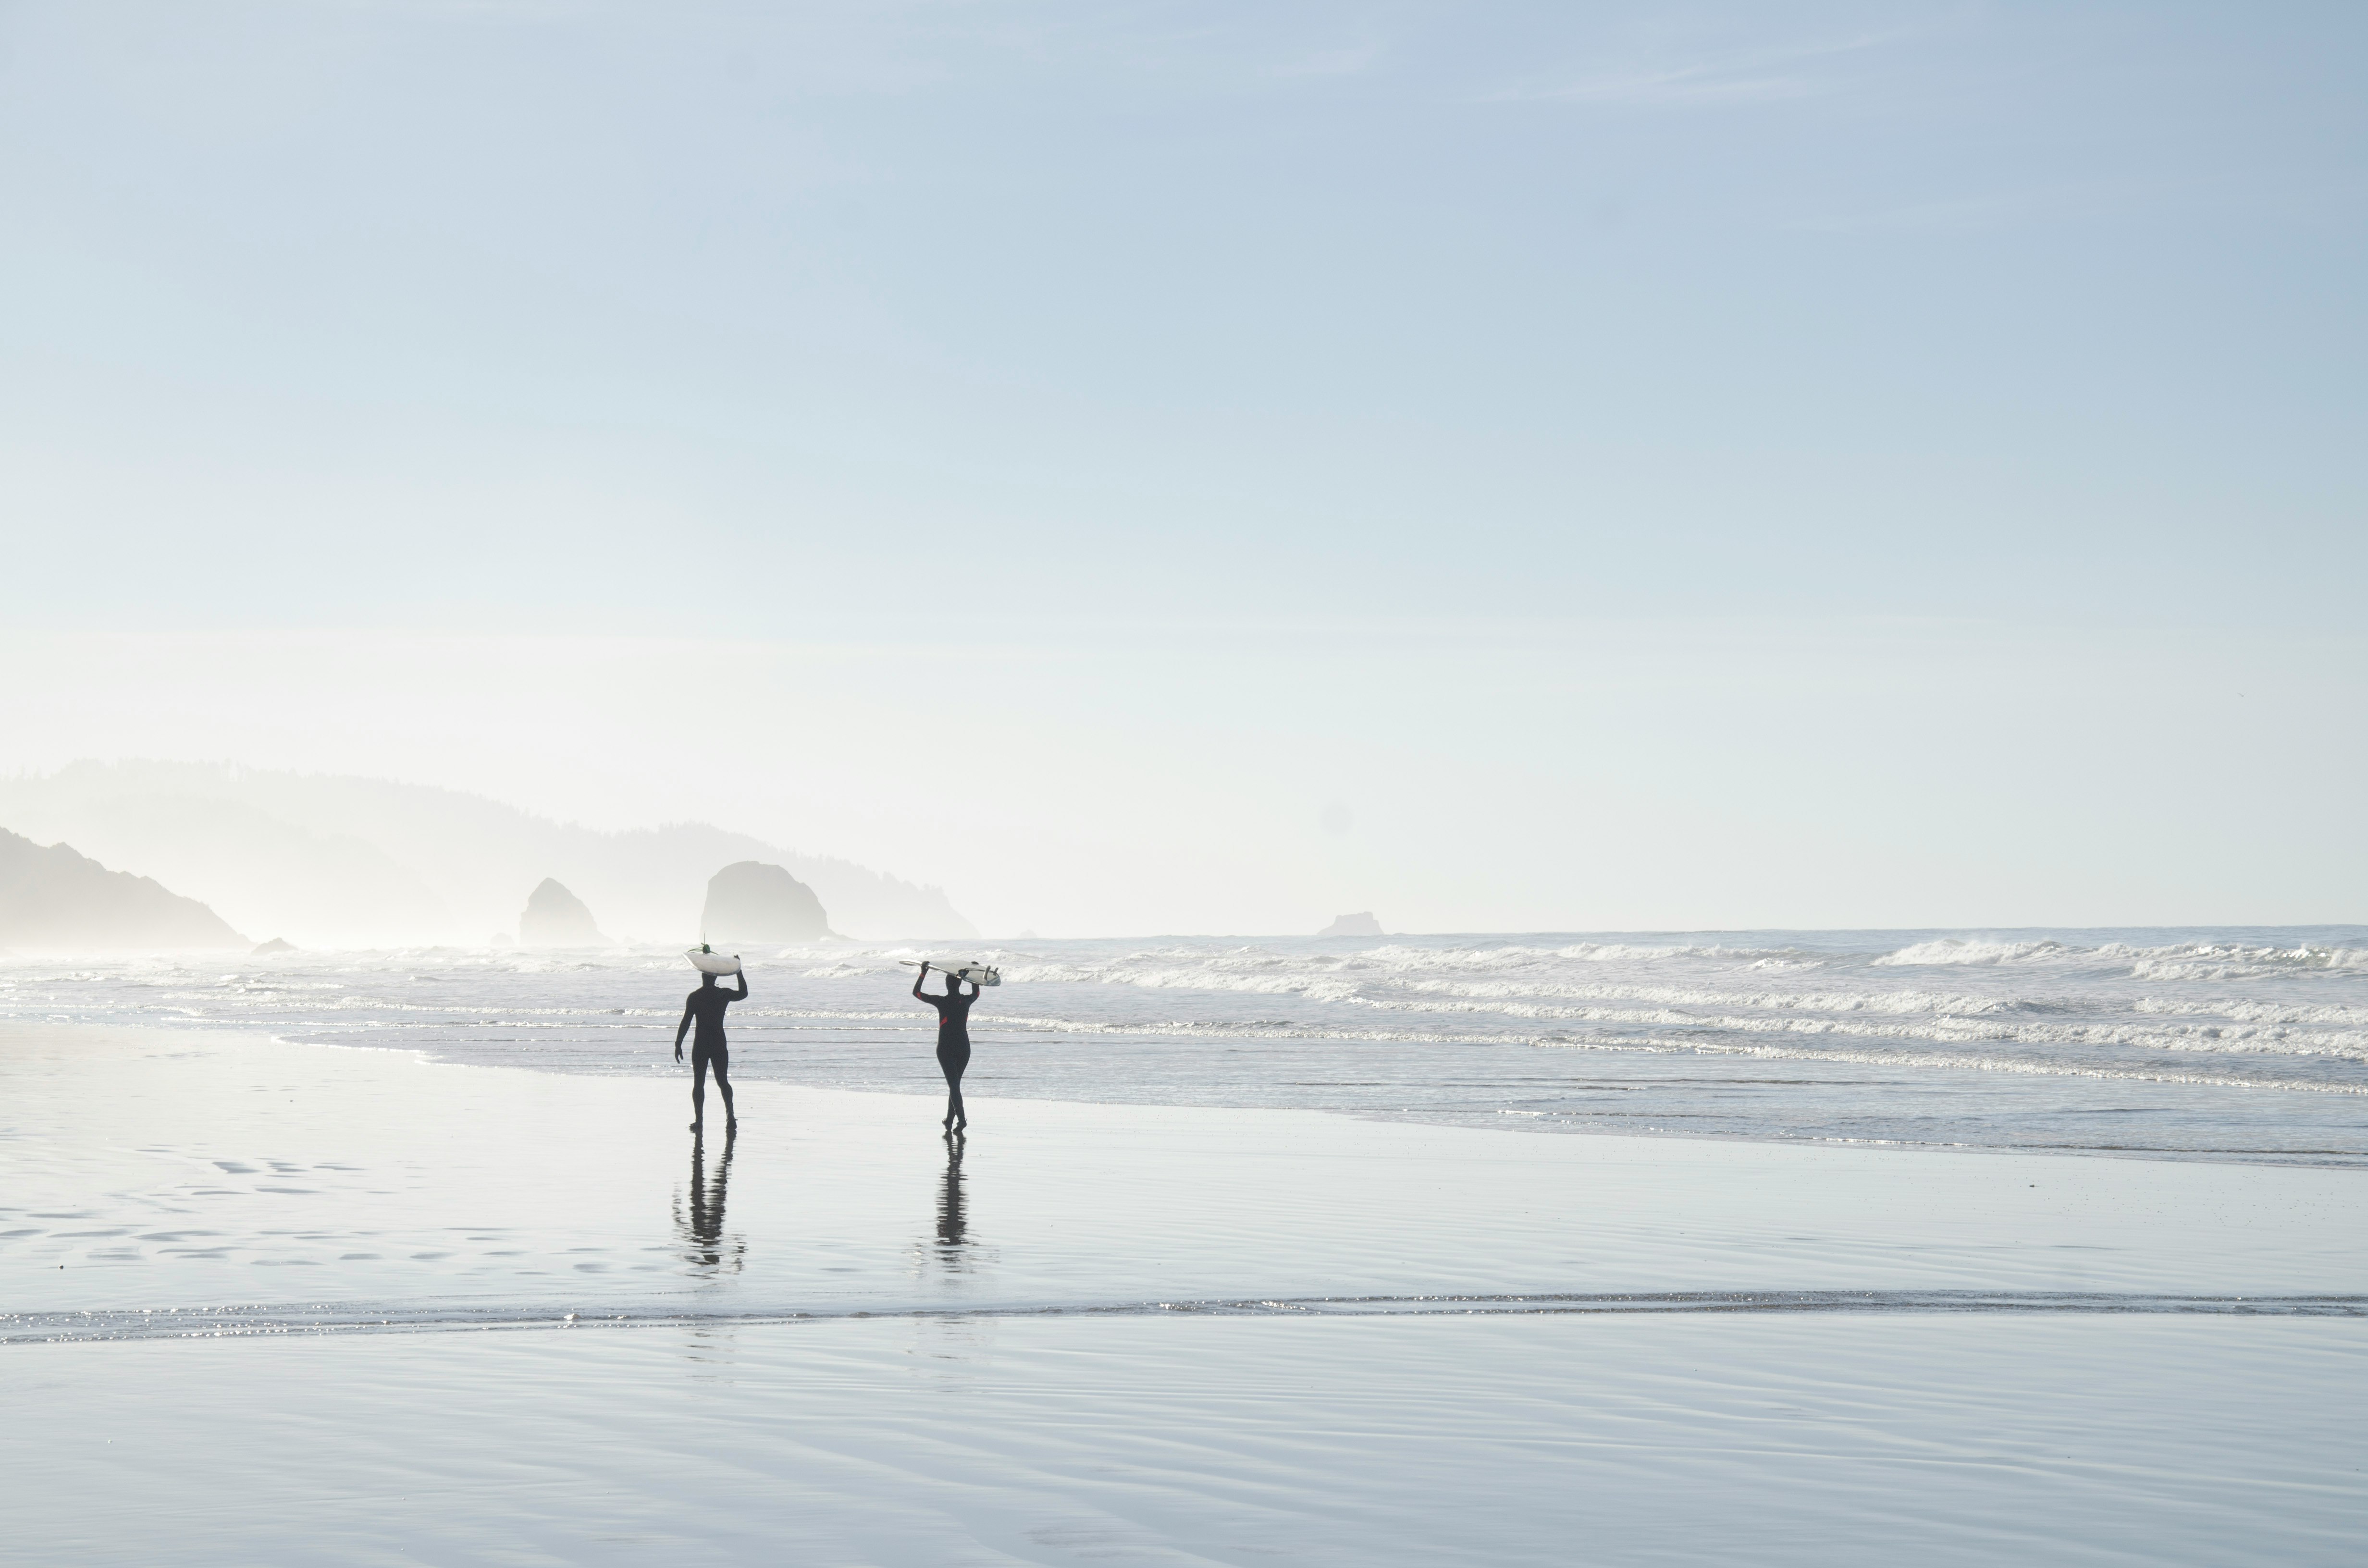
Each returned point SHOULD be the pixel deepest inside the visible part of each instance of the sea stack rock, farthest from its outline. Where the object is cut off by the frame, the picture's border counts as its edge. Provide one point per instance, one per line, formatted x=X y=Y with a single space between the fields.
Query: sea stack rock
x=751 y=902
x=554 y=918
x=276 y=945
x=1359 y=925
x=54 y=897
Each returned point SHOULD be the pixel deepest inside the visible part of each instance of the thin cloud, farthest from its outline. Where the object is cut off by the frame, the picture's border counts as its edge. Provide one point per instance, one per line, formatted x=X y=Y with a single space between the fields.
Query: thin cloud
x=1351 y=60
x=1964 y=214
x=1758 y=76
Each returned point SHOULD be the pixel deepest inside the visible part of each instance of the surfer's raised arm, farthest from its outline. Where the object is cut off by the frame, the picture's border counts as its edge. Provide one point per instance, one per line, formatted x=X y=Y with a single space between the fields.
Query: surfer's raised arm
x=920 y=977
x=743 y=977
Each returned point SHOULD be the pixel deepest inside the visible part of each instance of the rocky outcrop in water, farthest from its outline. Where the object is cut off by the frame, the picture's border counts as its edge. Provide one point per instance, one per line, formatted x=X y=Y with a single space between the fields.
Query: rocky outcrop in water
x=276 y=945
x=55 y=897
x=1359 y=925
x=554 y=918
x=752 y=902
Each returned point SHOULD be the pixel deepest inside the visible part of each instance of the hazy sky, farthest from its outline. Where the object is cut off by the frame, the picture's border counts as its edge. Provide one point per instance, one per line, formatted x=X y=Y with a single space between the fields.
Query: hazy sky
x=1209 y=467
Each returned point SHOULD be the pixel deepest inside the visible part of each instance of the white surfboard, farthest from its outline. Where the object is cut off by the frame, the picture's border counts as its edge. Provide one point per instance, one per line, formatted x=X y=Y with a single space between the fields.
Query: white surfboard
x=707 y=961
x=976 y=973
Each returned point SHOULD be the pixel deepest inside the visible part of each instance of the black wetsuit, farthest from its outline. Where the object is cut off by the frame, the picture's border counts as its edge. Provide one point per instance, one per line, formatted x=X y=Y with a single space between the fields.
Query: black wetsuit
x=953 y=1037
x=705 y=1009
x=953 y=1029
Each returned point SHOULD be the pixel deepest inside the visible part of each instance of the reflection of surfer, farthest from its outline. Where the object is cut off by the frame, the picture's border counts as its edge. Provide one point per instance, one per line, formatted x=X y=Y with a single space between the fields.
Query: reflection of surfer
x=953 y=1039
x=951 y=1226
x=702 y=1227
x=705 y=1008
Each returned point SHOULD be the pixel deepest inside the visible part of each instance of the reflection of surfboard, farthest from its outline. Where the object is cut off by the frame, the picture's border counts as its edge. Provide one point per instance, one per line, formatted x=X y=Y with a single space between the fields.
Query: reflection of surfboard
x=707 y=962
x=976 y=973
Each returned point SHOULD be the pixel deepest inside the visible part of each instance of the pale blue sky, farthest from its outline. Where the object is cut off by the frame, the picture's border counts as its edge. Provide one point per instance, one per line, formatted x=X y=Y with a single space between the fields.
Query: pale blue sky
x=1175 y=331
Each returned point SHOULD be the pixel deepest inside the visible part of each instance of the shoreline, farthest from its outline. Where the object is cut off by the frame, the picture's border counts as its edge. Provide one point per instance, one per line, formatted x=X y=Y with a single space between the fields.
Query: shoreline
x=1534 y=1122
x=305 y=1186
x=2088 y=1045
x=1502 y=1120
x=1153 y=1333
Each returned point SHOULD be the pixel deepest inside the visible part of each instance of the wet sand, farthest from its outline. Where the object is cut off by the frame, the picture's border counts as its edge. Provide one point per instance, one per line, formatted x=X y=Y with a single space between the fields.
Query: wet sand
x=265 y=1302
x=921 y=1442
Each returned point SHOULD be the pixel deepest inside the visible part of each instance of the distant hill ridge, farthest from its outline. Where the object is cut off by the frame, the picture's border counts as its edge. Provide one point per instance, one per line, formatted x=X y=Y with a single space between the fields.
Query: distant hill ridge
x=51 y=896
x=343 y=862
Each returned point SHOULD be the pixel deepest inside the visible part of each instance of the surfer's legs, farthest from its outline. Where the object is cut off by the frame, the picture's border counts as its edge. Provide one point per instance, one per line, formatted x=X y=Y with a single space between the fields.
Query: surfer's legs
x=701 y=1058
x=953 y=1056
x=723 y=1088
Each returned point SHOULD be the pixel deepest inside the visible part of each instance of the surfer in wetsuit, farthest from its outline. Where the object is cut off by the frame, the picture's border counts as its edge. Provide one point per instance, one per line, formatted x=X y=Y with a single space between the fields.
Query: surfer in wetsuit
x=705 y=1008
x=954 y=1039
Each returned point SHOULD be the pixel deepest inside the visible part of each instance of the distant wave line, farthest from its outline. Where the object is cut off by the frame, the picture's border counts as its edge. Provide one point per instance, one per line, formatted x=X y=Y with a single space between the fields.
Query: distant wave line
x=241 y=1322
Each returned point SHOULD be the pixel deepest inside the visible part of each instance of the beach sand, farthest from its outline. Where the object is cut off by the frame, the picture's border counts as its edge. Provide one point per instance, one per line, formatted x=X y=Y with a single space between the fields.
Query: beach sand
x=263 y=1302
x=1909 y=1438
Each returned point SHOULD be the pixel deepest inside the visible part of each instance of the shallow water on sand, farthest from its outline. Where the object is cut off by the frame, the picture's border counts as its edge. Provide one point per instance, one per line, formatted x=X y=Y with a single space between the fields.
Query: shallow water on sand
x=181 y=1183
x=2221 y=1044
x=269 y=1303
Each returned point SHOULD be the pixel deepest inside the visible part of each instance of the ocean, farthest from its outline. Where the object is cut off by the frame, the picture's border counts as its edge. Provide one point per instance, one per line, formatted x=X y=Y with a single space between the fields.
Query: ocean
x=2246 y=1044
